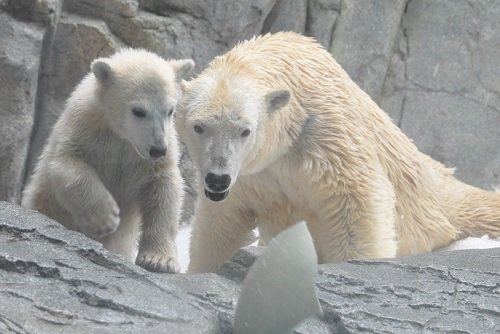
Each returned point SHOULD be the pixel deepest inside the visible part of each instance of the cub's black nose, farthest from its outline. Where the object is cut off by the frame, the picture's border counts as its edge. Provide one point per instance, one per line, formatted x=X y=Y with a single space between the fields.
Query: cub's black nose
x=217 y=183
x=157 y=152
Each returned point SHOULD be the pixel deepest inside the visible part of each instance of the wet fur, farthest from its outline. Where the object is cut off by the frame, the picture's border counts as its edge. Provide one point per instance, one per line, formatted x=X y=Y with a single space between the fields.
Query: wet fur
x=331 y=157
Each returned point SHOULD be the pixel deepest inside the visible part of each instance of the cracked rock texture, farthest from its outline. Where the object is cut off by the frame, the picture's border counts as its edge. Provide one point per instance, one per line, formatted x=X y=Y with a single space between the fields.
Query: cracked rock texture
x=53 y=280
x=432 y=65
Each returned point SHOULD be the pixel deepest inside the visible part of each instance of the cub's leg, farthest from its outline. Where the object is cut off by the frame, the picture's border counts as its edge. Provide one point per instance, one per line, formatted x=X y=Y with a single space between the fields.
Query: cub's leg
x=218 y=232
x=79 y=190
x=161 y=202
x=124 y=240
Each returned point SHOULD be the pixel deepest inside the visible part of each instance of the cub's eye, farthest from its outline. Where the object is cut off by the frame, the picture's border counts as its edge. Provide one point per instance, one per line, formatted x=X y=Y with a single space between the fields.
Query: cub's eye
x=245 y=133
x=171 y=112
x=139 y=112
x=198 y=129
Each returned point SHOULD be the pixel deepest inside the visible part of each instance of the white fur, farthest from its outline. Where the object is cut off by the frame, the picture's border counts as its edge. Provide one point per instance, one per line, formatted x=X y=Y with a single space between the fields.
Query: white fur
x=96 y=175
x=319 y=150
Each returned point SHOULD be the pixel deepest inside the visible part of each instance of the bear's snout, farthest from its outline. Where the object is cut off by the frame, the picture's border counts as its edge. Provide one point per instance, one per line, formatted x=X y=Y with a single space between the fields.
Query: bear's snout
x=217 y=183
x=157 y=152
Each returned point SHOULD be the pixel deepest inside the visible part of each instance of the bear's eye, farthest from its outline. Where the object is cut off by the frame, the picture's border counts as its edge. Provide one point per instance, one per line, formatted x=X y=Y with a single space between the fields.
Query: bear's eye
x=245 y=133
x=139 y=112
x=198 y=129
x=171 y=112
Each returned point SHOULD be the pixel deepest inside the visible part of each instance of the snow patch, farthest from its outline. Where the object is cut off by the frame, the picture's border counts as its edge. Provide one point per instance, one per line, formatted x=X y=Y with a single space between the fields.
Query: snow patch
x=473 y=243
x=182 y=240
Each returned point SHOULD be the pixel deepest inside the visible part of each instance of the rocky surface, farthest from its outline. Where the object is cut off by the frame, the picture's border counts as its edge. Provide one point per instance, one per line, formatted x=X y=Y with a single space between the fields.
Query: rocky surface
x=453 y=292
x=53 y=280
x=443 y=85
x=20 y=54
x=432 y=65
x=364 y=39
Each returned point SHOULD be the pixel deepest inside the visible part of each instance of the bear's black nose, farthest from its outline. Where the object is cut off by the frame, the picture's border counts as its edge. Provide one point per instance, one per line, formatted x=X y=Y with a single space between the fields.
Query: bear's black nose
x=217 y=183
x=157 y=152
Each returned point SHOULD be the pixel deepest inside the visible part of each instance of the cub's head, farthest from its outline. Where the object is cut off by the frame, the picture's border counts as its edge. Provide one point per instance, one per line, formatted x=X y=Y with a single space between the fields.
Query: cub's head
x=222 y=119
x=138 y=92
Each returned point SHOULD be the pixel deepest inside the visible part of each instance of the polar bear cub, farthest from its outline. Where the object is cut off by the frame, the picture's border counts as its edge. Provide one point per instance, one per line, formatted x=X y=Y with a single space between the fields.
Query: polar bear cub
x=110 y=166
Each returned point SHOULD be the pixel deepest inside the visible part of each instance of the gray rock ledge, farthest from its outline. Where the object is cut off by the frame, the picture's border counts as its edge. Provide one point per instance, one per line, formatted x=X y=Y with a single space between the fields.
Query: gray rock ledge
x=57 y=281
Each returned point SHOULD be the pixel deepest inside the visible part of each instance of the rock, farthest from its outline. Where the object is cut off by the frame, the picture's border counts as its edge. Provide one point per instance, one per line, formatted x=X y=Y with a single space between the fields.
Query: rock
x=431 y=293
x=445 y=85
x=441 y=140
x=57 y=280
x=287 y=15
x=42 y=11
x=215 y=293
x=20 y=54
x=443 y=292
x=237 y=268
x=364 y=38
x=321 y=18
x=108 y=10
x=178 y=29
x=225 y=22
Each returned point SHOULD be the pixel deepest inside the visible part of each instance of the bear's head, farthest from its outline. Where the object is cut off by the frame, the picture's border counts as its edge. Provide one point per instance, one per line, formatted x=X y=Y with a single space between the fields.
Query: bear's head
x=226 y=122
x=138 y=91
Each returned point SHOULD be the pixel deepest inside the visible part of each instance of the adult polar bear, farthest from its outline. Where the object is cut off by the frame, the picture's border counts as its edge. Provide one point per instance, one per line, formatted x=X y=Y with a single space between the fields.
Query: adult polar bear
x=109 y=168
x=277 y=127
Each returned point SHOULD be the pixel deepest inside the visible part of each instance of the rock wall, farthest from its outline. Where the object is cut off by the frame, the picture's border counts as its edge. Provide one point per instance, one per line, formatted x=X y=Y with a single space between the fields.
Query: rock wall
x=53 y=280
x=432 y=65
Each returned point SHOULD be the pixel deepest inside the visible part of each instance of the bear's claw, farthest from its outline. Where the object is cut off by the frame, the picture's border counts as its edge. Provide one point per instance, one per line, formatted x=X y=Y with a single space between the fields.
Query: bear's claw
x=157 y=262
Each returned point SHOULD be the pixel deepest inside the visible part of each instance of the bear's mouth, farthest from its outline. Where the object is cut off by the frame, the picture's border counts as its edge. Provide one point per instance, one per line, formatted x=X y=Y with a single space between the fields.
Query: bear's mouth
x=216 y=197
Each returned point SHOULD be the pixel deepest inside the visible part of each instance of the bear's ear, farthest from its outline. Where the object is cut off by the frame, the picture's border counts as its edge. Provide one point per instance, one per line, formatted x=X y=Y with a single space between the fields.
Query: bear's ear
x=182 y=68
x=101 y=69
x=277 y=99
x=184 y=85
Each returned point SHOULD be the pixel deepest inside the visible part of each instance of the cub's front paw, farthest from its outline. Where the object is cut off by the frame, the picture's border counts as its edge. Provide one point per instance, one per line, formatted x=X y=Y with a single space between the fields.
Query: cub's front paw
x=158 y=262
x=100 y=220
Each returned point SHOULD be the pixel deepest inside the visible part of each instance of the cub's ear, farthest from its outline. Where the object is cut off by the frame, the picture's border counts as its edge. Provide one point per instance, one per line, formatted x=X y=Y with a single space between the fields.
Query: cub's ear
x=277 y=99
x=101 y=69
x=182 y=68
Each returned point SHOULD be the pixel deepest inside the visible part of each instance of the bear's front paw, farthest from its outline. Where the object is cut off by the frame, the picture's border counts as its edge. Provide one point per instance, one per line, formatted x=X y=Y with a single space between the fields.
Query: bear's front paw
x=100 y=220
x=158 y=262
